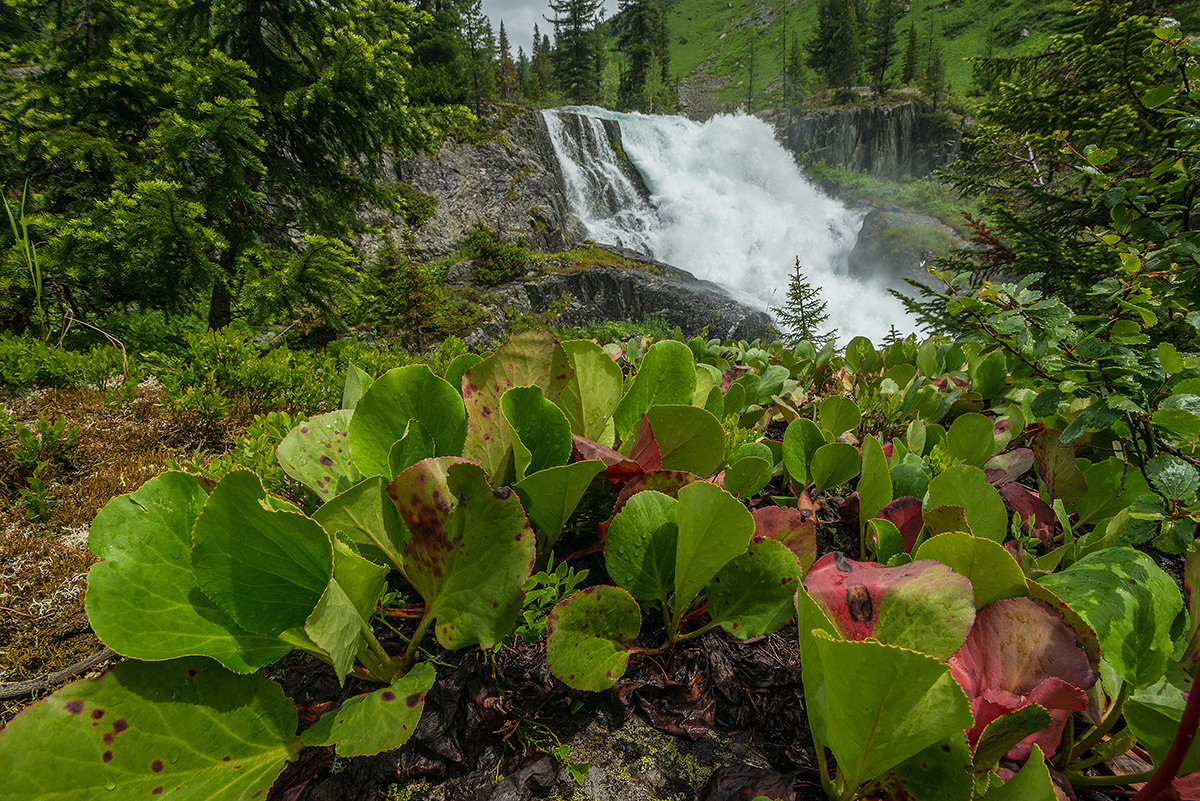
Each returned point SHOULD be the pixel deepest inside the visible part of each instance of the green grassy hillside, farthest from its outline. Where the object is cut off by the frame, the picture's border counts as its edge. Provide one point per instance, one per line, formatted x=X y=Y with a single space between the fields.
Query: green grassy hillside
x=714 y=36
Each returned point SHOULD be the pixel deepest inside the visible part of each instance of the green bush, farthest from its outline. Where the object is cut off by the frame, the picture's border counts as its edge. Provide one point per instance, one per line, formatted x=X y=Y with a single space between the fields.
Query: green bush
x=503 y=260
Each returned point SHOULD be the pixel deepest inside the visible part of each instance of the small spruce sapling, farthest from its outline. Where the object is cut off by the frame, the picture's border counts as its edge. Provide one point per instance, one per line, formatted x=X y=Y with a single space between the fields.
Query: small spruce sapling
x=804 y=314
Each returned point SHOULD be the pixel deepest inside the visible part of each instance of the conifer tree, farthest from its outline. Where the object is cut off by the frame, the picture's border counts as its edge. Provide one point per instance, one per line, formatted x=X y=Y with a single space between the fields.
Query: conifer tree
x=835 y=50
x=912 y=59
x=577 y=50
x=506 y=70
x=883 y=42
x=804 y=314
x=643 y=38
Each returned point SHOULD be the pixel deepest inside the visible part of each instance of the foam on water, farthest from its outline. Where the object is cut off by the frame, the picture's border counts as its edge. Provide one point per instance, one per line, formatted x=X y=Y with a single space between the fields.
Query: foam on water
x=729 y=205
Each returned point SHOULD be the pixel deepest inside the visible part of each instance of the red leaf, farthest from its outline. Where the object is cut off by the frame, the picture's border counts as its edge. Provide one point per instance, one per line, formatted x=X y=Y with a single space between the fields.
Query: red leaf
x=617 y=467
x=1020 y=652
x=1036 y=517
x=1008 y=467
x=645 y=449
x=795 y=528
x=905 y=514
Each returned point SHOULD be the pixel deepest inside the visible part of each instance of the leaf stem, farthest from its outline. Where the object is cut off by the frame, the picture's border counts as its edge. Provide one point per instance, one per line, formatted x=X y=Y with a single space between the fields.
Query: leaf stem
x=691 y=635
x=1079 y=780
x=1106 y=724
x=826 y=781
x=410 y=653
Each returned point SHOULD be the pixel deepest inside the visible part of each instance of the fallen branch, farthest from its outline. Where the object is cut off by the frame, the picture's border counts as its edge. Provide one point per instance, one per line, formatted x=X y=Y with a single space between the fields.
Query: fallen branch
x=19 y=688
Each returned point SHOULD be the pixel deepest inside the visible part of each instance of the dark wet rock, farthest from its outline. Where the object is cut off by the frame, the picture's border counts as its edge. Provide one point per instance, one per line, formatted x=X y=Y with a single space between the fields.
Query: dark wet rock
x=886 y=141
x=893 y=245
x=568 y=294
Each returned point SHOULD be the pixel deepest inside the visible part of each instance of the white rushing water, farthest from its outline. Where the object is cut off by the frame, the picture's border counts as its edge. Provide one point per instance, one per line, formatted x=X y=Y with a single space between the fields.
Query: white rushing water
x=729 y=206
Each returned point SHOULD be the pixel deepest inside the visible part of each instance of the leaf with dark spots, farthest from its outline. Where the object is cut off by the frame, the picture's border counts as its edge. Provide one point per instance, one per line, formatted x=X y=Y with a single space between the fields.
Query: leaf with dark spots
x=592 y=659
x=369 y=724
x=74 y=707
x=923 y=605
x=531 y=358
x=905 y=514
x=308 y=454
x=1004 y=468
x=1037 y=518
x=466 y=551
x=246 y=716
x=1020 y=652
x=791 y=527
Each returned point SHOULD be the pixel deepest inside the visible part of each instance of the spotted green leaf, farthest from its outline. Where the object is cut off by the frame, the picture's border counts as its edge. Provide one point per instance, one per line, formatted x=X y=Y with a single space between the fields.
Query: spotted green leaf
x=399 y=395
x=752 y=595
x=316 y=454
x=378 y=721
x=588 y=637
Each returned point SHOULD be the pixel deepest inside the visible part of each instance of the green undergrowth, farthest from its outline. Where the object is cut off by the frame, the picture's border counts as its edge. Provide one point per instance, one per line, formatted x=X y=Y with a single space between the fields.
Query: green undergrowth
x=927 y=196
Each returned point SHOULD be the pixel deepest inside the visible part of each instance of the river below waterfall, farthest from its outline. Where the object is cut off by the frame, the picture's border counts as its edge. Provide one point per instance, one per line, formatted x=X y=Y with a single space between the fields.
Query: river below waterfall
x=728 y=204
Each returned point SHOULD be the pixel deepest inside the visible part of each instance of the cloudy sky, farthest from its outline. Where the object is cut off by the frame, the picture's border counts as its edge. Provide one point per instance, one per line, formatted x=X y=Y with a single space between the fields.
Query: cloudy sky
x=519 y=17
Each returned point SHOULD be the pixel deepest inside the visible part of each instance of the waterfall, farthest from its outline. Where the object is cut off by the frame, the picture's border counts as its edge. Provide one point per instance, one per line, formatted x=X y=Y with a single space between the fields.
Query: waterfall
x=727 y=203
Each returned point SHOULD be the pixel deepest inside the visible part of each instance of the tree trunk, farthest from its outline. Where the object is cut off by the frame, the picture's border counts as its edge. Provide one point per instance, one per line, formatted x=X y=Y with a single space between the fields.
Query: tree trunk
x=220 y=307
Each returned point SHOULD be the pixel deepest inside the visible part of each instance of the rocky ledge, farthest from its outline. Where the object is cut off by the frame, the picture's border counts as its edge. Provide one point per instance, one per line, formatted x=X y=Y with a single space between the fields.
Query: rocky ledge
x=570 y=292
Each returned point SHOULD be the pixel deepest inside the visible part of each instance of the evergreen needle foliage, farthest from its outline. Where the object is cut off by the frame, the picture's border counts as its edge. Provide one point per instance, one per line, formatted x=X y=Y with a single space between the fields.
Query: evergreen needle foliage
x=804 y=313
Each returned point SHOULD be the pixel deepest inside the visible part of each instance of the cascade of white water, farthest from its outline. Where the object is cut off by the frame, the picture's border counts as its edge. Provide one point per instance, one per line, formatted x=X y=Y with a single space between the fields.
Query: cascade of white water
x=729 y=206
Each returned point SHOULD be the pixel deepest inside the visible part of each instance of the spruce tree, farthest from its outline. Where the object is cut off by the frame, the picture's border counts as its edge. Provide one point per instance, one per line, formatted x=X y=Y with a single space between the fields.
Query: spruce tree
x=804 y=314
x=576 y=55
x=642 y=37
x=912 y=59
x=883 y=42
x=835 y=51
x=506 y=70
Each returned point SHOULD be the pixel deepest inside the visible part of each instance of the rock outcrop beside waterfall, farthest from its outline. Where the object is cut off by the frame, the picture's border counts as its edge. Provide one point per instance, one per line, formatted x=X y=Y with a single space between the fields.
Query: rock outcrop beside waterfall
x=629 y=287
x=886 y=141
x=894 y=245
x=512 y=184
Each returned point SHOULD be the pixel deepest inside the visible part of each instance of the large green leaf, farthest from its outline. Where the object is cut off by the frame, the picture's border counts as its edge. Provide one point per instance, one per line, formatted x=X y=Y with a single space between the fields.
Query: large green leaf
x=971 y=438
x=1154 y=712
x=588 y=637
x=185 y=728
x=470 y=550
x=875 y=484
x=689 y=438
x=965 y=486
x=665 y=377
x=989 y=374
x=357 y=382
x=531 y=358
x=1002 y=734
x=1130 y=602
x=399 y=395
x=639 y=551
x=550 y=497
x=1173 y=477
x=838 y=415
x=364 y=516
x=316 y=454
x=833 y=465
x=941 y=772
x=377 y=721
x=416 y=444
x=1056 y=467
x=266 y=569
x=800 y=442
x=714 y=528
x=1112 y=486
x=143 y=600
x=879 y=704
x=749 y=469
x=994 y=574
x=591 y=396
x=335 y=626
x=541 y=435
x=1032 y=783
x=752 y=595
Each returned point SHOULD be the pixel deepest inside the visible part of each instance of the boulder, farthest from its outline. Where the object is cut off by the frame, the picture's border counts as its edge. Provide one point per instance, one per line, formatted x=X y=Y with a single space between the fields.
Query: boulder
x=894 y=245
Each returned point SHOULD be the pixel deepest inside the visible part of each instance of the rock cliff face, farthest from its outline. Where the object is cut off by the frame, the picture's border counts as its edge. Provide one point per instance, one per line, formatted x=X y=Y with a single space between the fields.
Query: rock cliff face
x=886 y=141
x=513 y=185
x=568 y=293
x=893 y=245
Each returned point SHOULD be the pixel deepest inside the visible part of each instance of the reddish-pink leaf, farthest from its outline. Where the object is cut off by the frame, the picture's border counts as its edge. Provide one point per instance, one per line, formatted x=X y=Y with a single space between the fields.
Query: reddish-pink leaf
x=1185 y=788
x=905 y=514
x=795 y=528
x=1020 y=652
x=731 y=375
x=645 y=450
x=1037 y=518
x=1007 y=467
x=617 y=467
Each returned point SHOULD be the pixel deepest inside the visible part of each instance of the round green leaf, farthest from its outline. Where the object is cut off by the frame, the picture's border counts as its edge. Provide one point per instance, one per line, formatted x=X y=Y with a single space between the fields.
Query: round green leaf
x=143 y=600
x=965 y=486
x=875 y=484
x=416 y=444
x=470 y=549
x=316 y=453
x=1130 y=602
x=399 y=395
x=800 y=442
x=989 y=375
x=747 y=475
x=541 y=435
x=838 y=415
x=378 y=721
x=971 y=438
x=689 y=438
x=939 y=773
x=910 y=479
x=550 y=496
x=588 y=637
x=752 y=595
x=994 y=574
x=364 y=516
x=1173 y=477
x=186 y=728
x=833 y=465
x=266 y=569
x=592 y=394
x=639 y=552
x=666 y=376
x=714 y=527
